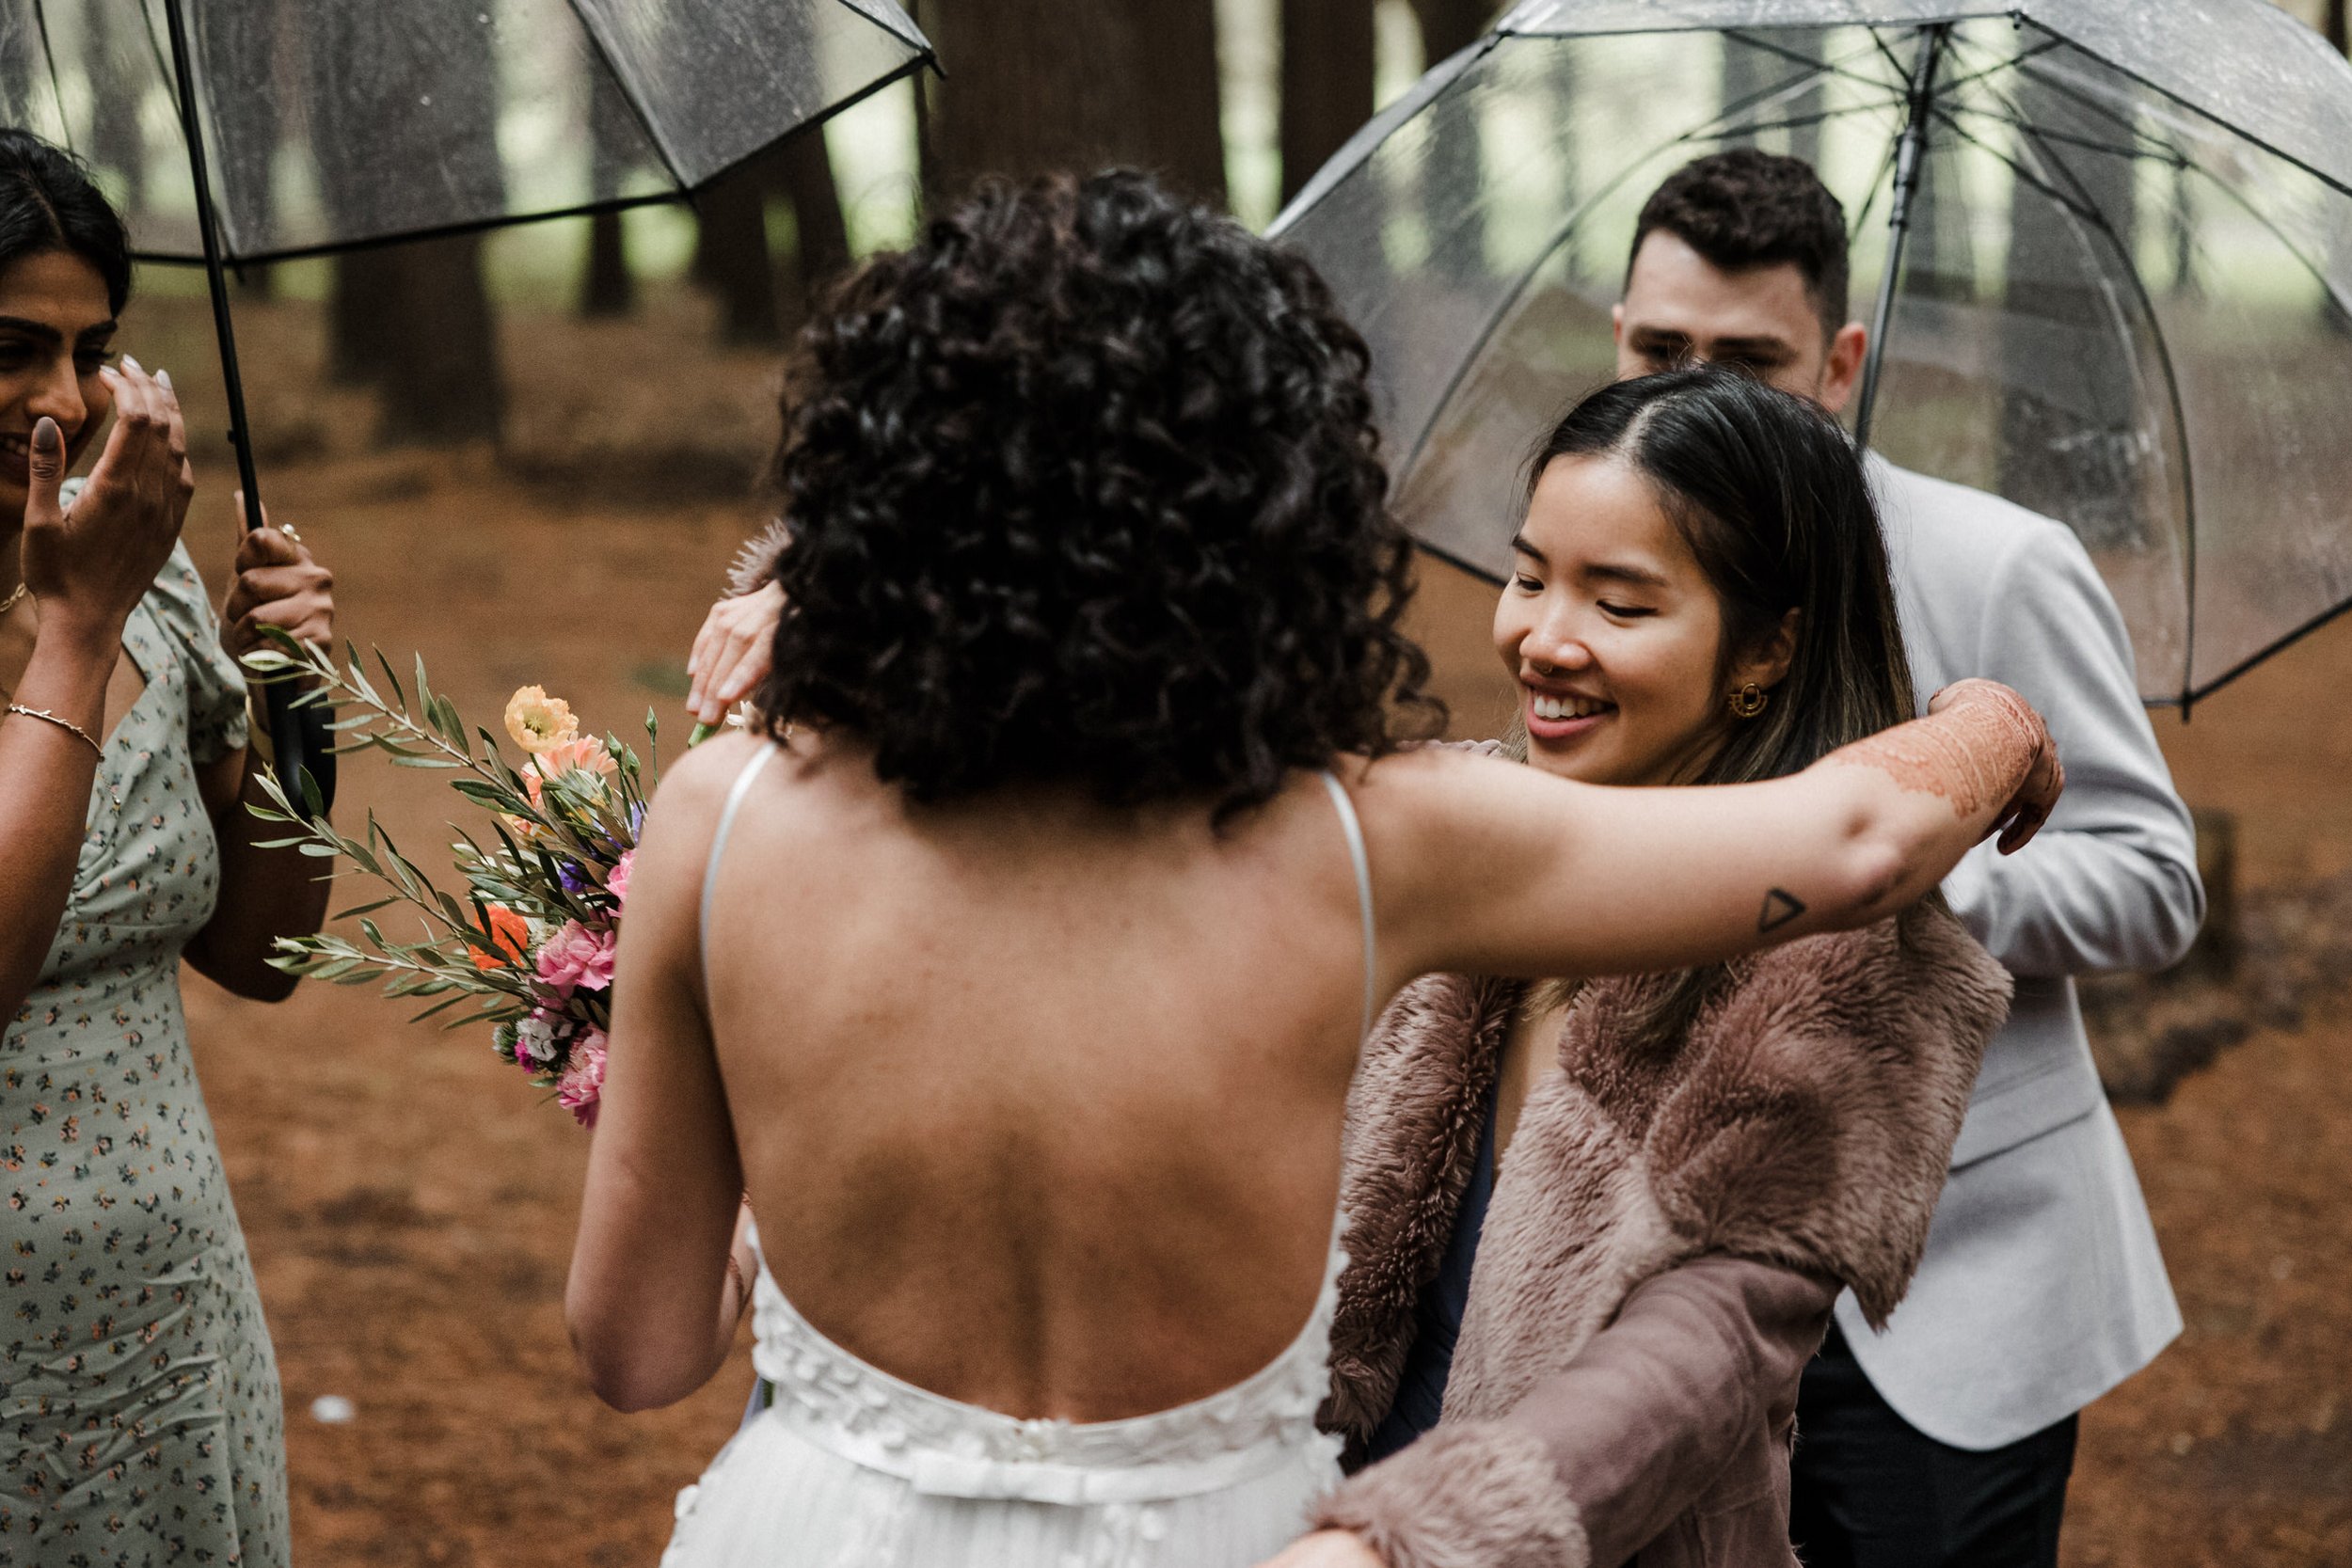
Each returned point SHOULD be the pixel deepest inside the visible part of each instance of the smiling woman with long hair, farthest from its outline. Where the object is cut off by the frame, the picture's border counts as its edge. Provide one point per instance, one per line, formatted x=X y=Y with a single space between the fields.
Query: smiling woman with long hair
x=1017 y=968
x=1598 y=1225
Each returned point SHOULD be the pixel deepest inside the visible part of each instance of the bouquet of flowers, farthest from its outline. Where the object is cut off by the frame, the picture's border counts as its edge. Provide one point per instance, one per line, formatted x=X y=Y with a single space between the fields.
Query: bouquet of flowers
x=530 y=940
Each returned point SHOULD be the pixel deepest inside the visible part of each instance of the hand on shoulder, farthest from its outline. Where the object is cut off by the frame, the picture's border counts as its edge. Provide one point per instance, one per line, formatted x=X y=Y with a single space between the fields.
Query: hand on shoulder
x=1326 y=1548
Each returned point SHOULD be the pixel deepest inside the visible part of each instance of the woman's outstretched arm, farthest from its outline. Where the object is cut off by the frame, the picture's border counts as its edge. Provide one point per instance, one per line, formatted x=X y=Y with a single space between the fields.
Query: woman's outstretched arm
x=1484 y=866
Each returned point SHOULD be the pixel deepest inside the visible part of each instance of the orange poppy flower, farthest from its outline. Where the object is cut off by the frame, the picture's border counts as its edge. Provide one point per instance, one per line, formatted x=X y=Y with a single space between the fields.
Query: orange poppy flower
x=510 y=933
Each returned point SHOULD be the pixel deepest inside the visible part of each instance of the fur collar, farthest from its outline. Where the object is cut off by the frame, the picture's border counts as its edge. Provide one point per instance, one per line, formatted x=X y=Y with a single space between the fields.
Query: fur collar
x=1806 y=1119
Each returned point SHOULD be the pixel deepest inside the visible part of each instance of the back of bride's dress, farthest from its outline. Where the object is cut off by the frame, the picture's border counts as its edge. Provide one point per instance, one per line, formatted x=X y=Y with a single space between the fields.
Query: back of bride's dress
x=851 y=1468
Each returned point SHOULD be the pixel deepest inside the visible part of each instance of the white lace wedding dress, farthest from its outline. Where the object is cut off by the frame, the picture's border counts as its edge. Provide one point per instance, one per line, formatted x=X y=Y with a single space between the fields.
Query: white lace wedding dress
x=851 y=1468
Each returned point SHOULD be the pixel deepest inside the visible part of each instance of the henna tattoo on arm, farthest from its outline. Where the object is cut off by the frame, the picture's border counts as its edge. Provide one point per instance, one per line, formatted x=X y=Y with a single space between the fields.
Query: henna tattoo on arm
x=1975 y=750
x=1780 y=908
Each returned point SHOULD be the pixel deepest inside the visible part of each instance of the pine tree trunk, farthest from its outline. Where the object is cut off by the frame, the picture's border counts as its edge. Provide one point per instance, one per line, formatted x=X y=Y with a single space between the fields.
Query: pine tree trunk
x=440 y=385
x=732 y=256
x=363 y=325
x=1044 y=85
x=1450 y=26
x=804 y=171
x=607 y=288
x=1327 y=81
x=412 y=320
x=1184 y=139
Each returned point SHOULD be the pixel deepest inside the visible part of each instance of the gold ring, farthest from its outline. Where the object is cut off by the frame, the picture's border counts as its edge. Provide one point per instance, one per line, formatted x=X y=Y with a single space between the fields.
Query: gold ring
x=288 y=530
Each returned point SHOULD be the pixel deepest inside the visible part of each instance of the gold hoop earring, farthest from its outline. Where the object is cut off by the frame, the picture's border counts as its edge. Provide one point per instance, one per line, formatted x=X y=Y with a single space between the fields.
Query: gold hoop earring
x=1749 y=701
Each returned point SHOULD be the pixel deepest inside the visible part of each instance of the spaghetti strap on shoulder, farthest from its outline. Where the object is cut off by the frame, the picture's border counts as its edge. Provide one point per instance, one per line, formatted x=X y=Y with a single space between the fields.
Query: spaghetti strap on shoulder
x=719 y=844
x=1362 y=862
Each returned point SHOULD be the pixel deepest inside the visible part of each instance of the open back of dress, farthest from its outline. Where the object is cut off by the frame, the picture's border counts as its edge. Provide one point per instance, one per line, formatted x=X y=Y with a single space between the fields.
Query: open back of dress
x=848 y=1466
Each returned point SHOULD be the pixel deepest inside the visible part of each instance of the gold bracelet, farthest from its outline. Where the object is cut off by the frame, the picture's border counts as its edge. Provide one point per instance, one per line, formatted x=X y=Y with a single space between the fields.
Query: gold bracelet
x=87 y=740
x=61 y=723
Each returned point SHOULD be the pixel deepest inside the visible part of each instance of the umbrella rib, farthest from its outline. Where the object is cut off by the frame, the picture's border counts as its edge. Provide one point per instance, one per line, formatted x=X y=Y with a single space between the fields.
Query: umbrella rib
x=2080 y=99
x=2129 y=74
x=1828 y=67
x=2192 y=693
x=2156 y=153
x=1725 y=123
x=2089 y=210
x=1802 y=121
x=2012 y=62
x=157 y=48
x=629 y=95
x=49 y=58
x=1879 y=182
x=1886 y=52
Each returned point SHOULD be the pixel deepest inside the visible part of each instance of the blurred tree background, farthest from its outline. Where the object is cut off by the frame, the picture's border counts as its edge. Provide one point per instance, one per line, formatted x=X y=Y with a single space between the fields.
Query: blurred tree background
x=1238 y=102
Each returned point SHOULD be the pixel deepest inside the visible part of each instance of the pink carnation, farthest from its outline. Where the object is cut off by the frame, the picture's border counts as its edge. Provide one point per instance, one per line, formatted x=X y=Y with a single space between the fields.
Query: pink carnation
x=581 y=1086
x=616 y=880
x=577 y=957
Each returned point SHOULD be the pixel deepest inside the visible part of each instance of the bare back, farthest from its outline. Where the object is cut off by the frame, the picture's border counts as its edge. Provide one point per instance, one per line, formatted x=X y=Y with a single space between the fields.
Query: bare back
x=1038 y=1103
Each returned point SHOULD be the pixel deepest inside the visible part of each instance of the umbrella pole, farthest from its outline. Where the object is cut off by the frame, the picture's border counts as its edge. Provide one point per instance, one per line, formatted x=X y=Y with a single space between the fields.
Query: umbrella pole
x=297 y=735
x=1909 y=166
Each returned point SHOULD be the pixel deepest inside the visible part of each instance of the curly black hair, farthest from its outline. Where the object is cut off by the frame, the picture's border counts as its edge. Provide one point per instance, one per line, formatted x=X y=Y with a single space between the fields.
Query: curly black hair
x=1083 y=485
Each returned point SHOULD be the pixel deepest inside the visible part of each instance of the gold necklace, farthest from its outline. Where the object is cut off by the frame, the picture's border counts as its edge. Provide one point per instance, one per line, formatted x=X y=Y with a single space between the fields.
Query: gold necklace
x=10 y=602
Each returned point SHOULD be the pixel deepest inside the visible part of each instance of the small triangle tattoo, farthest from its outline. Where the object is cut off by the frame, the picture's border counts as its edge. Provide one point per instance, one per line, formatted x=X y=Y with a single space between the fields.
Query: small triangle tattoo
x=1779 y=910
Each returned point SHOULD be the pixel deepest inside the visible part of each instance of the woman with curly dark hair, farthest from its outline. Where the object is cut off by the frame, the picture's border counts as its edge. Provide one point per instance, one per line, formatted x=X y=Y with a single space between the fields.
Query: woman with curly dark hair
x=1017 y=972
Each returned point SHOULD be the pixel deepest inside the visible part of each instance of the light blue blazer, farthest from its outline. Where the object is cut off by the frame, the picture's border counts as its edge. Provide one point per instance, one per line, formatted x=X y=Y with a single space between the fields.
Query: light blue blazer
x=2043 y=1287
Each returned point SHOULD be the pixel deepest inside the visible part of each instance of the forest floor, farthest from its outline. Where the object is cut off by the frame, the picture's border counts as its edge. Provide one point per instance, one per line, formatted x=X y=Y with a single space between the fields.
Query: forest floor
x=410 y=1203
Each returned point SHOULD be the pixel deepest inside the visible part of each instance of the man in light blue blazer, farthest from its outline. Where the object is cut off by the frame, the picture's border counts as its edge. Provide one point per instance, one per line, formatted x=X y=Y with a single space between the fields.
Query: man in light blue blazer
x=1948 y=1439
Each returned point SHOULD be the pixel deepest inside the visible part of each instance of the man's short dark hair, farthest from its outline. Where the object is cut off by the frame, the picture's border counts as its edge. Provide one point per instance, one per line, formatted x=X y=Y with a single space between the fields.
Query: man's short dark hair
x=1745 y=209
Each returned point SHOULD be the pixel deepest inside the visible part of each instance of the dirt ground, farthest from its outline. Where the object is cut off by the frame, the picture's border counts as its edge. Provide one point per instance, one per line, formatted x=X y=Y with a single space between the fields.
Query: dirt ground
x=410 y=1203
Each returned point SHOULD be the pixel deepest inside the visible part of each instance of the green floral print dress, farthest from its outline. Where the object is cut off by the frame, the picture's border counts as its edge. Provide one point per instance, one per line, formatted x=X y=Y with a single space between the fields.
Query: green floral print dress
x=140 y=1422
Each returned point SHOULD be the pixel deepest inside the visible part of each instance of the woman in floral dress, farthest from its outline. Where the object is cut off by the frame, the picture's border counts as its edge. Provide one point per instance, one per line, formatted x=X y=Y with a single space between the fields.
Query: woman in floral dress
x=139 y=1411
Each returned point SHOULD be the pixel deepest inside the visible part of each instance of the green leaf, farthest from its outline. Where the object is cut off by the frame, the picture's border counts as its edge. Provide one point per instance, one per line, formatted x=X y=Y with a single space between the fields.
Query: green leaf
x=394 y=680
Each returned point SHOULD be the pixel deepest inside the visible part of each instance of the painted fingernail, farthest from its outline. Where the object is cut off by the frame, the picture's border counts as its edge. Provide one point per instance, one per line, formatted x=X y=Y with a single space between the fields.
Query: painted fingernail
x=134 y=364
x=163 y=379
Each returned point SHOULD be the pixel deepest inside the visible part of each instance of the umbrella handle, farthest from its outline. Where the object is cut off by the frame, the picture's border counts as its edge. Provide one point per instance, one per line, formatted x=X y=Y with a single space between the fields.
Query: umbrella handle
x=299 y=735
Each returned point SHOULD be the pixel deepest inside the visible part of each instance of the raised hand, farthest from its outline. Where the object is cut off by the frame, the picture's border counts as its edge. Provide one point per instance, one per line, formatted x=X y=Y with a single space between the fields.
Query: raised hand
x=99 y=560
x=278 y=584
x=734 y=652
x=2008 y=723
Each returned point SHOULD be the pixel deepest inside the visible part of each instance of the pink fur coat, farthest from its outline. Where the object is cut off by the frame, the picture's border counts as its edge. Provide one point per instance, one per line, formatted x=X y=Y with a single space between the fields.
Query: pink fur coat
x=1663 y=1243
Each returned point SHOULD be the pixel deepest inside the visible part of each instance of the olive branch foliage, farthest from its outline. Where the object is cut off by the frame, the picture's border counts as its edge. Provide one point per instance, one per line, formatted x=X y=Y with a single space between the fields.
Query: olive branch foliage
x=518 y=864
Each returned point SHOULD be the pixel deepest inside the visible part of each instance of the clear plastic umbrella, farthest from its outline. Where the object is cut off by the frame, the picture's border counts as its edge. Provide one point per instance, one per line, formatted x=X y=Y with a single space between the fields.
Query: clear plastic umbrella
x=243 y=131
x=2120 y=246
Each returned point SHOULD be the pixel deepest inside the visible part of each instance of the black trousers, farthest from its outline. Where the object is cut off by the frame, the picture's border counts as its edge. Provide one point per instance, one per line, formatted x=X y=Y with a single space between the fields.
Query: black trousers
x=1871 y=1491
